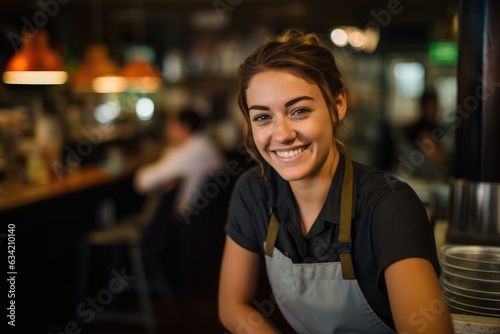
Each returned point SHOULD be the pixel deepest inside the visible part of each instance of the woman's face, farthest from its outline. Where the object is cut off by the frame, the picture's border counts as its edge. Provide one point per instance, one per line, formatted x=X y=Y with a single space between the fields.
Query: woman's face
x=291 y=124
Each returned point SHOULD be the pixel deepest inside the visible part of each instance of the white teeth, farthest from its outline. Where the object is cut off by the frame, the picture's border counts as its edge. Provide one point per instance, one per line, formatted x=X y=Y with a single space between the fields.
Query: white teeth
x=289 y=154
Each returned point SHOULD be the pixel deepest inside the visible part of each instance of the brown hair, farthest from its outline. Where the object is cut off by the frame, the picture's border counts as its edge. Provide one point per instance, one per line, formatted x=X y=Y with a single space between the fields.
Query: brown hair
x=303 y=53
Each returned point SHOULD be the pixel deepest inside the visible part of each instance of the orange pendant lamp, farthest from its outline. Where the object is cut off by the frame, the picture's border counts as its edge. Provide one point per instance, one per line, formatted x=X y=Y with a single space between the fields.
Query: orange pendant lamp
x=142 y=76
x=97 y=66
x=36 y=63
x=140 y=72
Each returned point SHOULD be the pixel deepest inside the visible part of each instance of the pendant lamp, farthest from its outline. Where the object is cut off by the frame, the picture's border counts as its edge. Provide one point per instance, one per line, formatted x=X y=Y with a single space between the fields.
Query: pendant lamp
x=97 y=66
x=140 y=71
x=36 y=63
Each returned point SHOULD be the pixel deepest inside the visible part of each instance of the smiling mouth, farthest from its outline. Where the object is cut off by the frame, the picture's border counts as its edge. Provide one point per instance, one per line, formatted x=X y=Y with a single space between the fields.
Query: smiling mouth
x=289 y=154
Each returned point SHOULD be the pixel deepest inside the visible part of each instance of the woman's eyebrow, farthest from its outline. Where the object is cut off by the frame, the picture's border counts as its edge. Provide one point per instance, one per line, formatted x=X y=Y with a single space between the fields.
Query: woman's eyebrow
x=297 y=99
x=287 y=104
x=257 y=107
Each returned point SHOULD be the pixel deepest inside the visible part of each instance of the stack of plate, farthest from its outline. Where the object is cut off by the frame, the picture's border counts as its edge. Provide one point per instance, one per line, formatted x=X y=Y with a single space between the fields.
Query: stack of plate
x=470 y=278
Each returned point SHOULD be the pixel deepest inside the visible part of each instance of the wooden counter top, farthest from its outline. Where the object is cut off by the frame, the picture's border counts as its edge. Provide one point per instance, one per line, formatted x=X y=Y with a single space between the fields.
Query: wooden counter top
x=17 y=196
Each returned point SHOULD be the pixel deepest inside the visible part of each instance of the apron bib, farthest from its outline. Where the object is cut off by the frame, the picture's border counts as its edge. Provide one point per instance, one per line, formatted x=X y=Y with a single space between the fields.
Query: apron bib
x=322 y=297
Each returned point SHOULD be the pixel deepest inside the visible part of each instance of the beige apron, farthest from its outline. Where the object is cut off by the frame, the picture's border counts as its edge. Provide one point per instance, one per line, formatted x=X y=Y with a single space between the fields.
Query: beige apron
x=322 y=297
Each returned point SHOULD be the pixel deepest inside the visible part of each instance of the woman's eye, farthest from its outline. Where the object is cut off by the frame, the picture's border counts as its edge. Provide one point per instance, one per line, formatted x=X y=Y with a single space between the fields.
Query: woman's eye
x=260 y=118
x=300 y=111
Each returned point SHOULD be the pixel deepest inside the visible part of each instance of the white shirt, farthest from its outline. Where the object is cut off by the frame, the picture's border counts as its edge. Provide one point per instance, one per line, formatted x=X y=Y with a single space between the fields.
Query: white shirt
x=192 y=161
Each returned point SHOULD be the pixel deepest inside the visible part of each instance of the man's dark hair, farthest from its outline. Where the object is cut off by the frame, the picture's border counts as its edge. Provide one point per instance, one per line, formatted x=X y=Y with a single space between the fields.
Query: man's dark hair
x=428 y=96
x=193 y=119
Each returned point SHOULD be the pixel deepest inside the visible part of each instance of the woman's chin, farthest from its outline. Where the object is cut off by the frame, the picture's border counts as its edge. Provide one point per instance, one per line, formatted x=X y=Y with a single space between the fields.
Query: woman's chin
x=291 y=176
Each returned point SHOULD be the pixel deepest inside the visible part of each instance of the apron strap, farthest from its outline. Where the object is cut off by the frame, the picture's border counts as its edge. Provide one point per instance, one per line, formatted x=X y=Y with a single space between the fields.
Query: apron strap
x=345 y=224
x=272 y=234
x=345 y=221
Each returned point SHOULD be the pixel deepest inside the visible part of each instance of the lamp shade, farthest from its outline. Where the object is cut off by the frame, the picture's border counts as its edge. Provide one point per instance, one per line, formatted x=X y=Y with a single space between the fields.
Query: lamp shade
x=140 y=71
x=36 y=63
x=96 y=64
x=142 y=75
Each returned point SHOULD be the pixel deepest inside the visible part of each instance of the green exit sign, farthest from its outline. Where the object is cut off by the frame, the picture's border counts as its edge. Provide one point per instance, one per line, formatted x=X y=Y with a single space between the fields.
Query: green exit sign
x=443 y=53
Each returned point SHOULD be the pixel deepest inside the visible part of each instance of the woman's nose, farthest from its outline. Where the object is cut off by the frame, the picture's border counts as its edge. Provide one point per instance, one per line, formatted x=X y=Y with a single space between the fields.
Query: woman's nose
x=284 y=131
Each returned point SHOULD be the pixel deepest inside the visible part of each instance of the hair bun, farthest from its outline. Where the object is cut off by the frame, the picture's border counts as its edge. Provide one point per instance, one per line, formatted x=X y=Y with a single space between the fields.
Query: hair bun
x=298 y=36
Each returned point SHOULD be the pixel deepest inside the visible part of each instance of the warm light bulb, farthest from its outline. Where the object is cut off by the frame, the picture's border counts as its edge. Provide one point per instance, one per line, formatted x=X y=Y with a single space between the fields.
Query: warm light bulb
x=356 y=39
x=35 y=77
x=109 y=84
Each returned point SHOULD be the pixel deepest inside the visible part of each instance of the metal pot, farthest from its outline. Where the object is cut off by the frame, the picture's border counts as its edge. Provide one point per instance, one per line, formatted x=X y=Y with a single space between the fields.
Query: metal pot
x=474 y=212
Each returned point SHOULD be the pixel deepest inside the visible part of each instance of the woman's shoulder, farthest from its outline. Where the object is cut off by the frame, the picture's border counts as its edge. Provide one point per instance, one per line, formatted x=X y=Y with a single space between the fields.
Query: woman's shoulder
x=250 y=175
x=249 y=182
x=373 y=180
x=261 y=185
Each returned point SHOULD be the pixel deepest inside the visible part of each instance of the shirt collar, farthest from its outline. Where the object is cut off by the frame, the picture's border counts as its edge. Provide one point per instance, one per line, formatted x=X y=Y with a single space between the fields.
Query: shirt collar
x=277 y=193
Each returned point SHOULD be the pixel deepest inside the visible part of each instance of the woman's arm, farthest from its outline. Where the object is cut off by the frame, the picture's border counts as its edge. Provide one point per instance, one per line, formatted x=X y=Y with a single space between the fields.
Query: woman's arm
x=417 y=304
x=237 y=287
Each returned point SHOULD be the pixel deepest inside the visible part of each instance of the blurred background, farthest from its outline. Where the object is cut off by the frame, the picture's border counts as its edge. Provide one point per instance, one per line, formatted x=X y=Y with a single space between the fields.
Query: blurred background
x=88 y=84
x=390 y=53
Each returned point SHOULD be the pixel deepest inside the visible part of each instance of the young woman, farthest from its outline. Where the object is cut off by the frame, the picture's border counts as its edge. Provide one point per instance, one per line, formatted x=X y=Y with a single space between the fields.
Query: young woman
x=348 y=248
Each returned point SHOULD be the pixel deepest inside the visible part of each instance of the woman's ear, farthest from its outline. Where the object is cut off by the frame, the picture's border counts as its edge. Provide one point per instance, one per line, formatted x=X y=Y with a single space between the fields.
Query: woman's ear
x=341 y=104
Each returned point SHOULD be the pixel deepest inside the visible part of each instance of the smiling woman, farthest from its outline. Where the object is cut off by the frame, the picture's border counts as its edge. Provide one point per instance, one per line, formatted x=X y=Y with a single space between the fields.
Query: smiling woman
x=347 y=247
x=288 y=127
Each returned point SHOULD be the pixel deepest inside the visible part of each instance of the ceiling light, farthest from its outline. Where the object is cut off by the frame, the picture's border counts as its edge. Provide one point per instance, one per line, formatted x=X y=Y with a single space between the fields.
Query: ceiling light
x=96 y=64
x=36 y=63
x=109 y=84
x=361 y=40
x=339 y=37
x=356 y=39
x=140 y=72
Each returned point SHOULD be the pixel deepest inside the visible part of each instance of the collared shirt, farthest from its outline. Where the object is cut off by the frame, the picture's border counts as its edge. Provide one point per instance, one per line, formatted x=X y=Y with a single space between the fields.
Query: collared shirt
x=192 y=162
x=389 y=224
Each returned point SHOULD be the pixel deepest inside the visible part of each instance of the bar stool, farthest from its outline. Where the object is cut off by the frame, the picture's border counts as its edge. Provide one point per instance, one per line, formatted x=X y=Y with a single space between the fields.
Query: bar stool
x=129 y=233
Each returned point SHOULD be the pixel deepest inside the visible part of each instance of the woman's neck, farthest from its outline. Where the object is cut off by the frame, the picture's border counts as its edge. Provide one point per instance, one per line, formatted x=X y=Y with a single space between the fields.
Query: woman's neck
x=310 y=194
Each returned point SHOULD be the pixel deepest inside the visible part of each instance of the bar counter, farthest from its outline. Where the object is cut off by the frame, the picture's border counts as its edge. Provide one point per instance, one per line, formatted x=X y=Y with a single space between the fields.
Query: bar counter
x=18 y=196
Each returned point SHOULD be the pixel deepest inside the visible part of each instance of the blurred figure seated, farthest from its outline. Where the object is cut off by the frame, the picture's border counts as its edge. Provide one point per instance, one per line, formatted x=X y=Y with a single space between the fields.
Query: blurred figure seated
x=188 y=161
x=426 y=136
x=190 y=156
